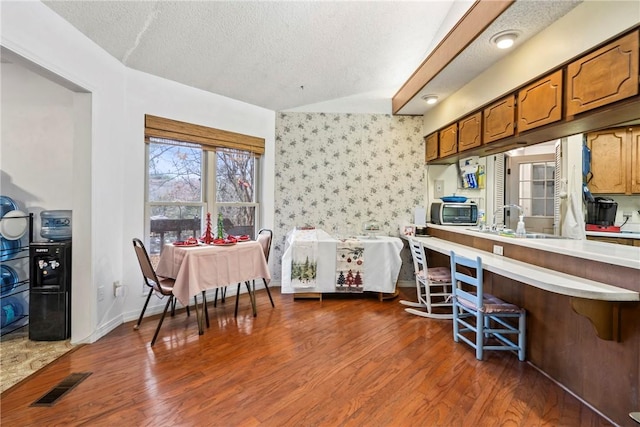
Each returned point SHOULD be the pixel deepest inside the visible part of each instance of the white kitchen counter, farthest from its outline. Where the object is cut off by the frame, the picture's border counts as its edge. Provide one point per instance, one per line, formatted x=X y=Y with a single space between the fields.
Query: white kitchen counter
x=539 y=277
x=622 y=255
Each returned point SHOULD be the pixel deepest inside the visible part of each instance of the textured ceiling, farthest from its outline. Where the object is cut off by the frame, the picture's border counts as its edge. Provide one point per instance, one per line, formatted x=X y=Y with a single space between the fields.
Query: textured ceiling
x=527 y=18
x=289 y=55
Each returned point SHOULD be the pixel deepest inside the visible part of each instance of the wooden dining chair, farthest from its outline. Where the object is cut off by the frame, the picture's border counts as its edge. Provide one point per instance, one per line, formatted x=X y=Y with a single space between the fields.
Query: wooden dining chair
x=264 y=237
x=433 y=287
x=482 y=320
x=156 y=284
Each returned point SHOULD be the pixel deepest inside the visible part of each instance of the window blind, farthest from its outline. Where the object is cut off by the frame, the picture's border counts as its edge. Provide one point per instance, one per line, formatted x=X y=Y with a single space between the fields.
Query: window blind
x=160 y=127
x=558 y=186
x=499 y=184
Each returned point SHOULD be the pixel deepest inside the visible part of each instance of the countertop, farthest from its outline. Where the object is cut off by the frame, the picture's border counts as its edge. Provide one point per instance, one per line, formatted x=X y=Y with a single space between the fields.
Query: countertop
x=622 y=255
x=539 y=277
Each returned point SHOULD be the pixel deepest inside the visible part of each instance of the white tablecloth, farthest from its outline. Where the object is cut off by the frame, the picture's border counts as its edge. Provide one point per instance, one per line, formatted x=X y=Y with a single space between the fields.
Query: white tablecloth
x=382 y=262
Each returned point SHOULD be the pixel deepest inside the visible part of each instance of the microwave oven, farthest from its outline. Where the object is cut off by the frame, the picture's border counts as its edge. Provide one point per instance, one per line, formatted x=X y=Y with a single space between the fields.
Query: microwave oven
x=454 y=213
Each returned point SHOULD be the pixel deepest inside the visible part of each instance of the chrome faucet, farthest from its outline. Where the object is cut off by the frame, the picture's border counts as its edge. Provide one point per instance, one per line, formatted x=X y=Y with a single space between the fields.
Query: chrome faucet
x=493 y=225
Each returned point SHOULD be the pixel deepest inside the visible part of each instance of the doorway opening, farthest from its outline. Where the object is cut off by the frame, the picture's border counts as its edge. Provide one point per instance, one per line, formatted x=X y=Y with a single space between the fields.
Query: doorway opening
x=530 y=182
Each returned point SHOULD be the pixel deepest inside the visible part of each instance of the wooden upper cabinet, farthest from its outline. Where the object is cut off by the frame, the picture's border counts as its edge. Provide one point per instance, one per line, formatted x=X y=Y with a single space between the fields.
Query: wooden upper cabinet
x=469 y=132
x=540 y=103
x=610 y=161
x=635 y=160
x=606 y=75
x=449 y=140
x=499 y=119
x=431 y=147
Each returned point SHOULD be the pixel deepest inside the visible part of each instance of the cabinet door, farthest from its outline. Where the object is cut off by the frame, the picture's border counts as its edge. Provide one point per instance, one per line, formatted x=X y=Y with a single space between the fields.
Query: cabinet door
x=607 y=75
x=540 y=103
x=449 y=140
x=608 y=155
x=499 y=120
x=431 y=147
x=635 y=160
x=469 y=134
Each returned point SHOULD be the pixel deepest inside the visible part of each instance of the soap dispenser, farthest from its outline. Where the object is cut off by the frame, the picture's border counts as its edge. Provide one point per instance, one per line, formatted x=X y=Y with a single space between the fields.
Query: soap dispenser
x=520 y=231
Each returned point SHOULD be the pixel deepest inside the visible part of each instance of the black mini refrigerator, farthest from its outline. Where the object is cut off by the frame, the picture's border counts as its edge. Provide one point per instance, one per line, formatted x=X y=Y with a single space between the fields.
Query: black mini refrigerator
x=50 y=291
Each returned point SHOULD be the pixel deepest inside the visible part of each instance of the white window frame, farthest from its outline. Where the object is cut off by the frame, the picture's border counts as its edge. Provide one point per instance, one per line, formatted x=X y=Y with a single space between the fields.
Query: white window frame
x=208 y=191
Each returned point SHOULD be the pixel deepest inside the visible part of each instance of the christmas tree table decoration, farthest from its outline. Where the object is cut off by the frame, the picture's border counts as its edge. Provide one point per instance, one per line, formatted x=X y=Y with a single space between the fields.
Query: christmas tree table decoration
x=220 y=227
x=207 y=237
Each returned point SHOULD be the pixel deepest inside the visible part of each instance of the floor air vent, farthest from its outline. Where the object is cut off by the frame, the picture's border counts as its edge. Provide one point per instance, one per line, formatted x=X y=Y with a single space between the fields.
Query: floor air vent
x=65 y=386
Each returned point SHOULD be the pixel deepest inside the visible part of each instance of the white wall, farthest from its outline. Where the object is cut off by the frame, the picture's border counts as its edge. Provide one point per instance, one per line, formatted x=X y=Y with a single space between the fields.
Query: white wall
x=39 y=36
x=148 y=94
x=108 y=154
x=449 y=174
x=37 y=141
x=37 y=146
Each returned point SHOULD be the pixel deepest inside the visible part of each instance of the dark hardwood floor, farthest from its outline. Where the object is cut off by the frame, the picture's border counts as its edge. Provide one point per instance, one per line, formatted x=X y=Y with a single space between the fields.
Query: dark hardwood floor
x=342 y=361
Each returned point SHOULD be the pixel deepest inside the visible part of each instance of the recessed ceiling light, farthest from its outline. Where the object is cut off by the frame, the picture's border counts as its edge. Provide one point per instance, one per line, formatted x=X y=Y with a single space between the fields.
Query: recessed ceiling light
x=505 y=39
x=430 y=99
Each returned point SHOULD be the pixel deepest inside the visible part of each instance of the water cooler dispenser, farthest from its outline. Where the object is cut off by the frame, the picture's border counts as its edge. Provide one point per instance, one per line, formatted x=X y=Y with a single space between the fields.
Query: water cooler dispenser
x=50 y=292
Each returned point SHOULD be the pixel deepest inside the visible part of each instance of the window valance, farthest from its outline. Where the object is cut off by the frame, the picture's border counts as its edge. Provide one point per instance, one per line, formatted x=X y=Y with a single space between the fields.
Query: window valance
x=161 y=127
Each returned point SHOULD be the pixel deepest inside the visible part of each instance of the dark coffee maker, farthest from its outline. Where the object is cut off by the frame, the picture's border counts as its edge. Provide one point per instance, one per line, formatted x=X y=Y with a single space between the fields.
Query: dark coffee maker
x=601 y=211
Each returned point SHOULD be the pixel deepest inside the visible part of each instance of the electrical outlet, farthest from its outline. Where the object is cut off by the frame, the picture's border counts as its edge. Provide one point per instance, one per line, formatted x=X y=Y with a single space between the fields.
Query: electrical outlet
x=116 y=287
x=627 y=215
x=100 y=293
x=498 y=250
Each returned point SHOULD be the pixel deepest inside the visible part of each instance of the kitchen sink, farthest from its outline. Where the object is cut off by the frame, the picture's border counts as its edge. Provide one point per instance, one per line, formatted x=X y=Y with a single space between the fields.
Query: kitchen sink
x=542 y=236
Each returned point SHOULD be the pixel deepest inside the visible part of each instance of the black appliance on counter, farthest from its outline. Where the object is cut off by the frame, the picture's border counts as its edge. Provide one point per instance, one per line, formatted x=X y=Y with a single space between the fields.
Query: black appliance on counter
x=601 y=214
x=50 y=293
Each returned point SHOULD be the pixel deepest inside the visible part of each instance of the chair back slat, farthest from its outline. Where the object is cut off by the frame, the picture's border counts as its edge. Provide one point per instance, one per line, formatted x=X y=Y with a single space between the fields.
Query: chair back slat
x=418 y=255
x=265 y=236
x=474 y=294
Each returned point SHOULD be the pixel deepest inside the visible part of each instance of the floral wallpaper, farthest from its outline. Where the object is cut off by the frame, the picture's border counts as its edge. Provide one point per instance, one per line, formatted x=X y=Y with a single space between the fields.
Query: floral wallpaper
x=336 y=171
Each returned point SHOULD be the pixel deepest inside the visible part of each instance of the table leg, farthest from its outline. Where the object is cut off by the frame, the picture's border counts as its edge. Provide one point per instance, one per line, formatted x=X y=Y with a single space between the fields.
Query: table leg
x=206 y=309
x=252 y=297
x=198 y=317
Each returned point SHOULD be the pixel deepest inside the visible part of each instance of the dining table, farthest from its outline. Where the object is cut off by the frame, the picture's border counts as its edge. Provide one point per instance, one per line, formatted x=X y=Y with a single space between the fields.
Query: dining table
x=200 y=267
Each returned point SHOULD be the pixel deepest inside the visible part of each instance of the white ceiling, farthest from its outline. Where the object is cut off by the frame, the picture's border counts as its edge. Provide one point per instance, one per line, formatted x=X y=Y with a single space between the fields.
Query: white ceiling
x=331 y=56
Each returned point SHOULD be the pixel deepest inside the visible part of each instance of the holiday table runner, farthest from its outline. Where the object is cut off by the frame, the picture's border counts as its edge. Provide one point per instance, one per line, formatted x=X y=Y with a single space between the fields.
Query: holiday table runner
x=350 y=266
x=304 y=259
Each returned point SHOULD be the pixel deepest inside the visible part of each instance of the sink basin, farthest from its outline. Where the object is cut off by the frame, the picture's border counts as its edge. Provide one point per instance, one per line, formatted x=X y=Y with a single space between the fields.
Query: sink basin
x=485 y=231
x=541 y=236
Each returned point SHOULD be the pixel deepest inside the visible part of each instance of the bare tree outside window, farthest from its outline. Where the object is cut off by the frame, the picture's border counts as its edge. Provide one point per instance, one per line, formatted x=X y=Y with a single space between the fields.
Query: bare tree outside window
x=235 y=190
x=177 y=191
